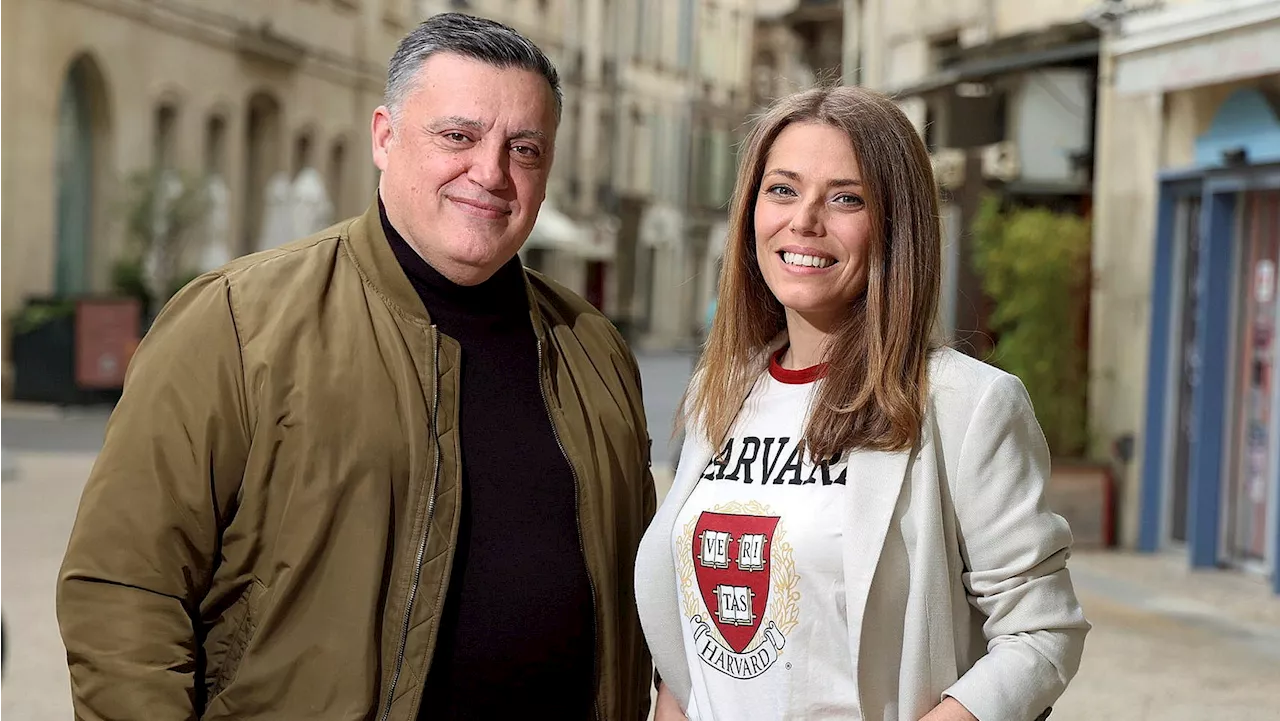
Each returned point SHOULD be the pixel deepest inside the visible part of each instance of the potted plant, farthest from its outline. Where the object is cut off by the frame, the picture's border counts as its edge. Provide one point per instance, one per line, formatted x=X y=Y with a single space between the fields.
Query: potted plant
x=42 y=337
x=164 y=210
x=1035 y=267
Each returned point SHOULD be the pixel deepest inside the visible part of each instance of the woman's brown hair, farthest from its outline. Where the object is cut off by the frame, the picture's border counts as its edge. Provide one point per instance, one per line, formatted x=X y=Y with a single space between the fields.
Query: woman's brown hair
x=874 y=393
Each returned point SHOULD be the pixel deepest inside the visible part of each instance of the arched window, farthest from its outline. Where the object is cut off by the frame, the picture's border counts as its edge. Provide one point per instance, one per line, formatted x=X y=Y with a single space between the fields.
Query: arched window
x=82 y=155
x=215 y=145
x=302 y=145
x=263 y=155
x=336 y=177
x=164 y=136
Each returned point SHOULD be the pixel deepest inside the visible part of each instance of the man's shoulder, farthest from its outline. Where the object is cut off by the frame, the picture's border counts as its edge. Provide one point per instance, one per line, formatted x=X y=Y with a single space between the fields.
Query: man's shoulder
x=267 y=266
x=563 y=307
x=276 y=285
x=556 y=296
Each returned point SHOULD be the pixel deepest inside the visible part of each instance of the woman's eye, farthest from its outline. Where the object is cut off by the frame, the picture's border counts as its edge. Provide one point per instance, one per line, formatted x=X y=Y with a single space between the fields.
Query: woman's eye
x=850 y=200
x=780 y=190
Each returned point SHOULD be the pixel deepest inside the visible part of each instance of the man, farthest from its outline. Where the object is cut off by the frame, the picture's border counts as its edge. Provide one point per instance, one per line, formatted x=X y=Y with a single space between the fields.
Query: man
x=383 y=472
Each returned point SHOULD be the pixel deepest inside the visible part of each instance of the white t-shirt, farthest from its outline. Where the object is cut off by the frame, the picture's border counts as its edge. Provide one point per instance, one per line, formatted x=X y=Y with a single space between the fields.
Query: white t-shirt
x=757 y=547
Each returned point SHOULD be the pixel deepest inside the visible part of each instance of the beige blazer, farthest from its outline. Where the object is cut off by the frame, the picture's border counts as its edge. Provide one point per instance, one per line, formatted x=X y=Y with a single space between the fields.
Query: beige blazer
x=955 y=569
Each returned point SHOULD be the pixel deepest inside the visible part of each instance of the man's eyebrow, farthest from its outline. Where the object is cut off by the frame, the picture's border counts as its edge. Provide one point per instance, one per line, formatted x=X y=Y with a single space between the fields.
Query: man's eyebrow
x=458 y=121
x=455 y=121
x=529 y=134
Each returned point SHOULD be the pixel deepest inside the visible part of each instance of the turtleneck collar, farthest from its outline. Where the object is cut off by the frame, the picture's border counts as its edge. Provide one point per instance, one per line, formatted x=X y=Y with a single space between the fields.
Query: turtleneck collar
x=503 y=294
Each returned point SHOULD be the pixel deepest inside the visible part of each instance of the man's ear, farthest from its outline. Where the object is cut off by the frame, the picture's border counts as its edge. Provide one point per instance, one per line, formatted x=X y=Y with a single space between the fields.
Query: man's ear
x=383 y=135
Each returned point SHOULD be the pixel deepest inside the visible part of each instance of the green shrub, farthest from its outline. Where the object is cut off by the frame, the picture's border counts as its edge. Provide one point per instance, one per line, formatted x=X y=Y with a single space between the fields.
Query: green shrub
x=1034 y=266
x=127 y=280
x=163 y=212
x=34 y=315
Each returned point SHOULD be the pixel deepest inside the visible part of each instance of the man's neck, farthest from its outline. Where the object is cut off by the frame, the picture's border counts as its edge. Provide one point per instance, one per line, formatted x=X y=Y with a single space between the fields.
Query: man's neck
x=503 y=293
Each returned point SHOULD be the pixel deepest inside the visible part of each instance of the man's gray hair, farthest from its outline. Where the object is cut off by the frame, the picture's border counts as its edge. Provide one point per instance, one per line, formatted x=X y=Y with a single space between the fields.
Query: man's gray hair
x=469 y=36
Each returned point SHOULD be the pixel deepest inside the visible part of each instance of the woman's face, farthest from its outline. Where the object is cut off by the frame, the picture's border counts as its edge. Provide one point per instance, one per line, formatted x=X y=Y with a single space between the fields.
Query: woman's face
x=811 y=223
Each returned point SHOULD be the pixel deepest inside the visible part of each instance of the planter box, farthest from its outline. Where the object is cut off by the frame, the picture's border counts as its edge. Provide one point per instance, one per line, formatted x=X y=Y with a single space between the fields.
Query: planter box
x=44 y=361
x=76 y=358
x=1083 y=492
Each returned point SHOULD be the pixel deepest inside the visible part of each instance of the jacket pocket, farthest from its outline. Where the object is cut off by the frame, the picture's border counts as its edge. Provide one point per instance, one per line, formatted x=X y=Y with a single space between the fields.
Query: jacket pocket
x=242 y=620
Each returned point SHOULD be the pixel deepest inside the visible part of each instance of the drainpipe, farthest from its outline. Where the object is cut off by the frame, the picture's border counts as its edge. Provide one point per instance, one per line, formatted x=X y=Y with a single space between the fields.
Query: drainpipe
x=851 y=47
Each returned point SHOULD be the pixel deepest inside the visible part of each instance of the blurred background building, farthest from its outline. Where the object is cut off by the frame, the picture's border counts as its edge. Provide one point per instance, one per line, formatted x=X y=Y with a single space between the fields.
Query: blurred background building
x=1110 y=175
x=265 y=108
x=252 y=98
x=1186 y=241
x=1156 y=122
x=1143 y=132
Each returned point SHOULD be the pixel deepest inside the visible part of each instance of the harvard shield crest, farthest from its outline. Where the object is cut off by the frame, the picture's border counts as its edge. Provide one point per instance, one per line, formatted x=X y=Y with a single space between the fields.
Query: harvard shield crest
x=731 y=556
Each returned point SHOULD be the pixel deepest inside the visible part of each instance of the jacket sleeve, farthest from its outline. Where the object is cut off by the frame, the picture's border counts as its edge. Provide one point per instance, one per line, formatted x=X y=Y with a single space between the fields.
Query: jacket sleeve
x=1015 y=552
x=145 y=539
x=644 y=439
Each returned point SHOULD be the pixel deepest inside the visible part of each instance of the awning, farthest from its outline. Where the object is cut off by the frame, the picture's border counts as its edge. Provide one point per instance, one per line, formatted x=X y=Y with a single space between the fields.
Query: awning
x=984 y=68
x=553 y=230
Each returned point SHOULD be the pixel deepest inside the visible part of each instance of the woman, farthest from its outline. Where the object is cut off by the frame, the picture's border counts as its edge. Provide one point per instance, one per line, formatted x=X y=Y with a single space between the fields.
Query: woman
x=857 y=526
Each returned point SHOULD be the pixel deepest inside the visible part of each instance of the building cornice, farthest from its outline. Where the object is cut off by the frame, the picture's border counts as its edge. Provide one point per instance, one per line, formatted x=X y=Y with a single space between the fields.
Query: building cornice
x=1185 y=23
x=234 y=34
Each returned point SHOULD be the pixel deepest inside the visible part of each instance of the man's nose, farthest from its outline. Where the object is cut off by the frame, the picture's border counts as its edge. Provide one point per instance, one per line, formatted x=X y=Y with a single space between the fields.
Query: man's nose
x=489 y=166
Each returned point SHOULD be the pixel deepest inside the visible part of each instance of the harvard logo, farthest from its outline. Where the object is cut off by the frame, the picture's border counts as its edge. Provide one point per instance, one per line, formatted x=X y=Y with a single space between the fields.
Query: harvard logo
x=733 y=556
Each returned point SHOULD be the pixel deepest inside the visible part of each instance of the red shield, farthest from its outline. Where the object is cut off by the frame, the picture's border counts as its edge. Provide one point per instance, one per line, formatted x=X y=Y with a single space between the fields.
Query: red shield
x=732 y=560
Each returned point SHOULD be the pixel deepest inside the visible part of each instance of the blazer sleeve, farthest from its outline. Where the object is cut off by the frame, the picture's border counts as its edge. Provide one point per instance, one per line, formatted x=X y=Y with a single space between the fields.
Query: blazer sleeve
x=146 y=537
x=1015 y=553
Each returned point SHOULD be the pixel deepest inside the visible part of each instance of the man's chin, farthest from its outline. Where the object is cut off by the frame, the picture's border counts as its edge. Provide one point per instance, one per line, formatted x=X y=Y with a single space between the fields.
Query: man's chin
x=474 y=270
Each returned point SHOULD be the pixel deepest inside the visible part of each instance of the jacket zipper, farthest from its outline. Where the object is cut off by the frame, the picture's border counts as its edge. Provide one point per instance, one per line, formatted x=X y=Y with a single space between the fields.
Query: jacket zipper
x=426 y=529
x=577 y=515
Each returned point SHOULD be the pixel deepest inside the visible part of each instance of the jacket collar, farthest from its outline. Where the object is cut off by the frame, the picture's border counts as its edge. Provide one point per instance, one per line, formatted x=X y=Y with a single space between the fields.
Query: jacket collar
x=380 y=268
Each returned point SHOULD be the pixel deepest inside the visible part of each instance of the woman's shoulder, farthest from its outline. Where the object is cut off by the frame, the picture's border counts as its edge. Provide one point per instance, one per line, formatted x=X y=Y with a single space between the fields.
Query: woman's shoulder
x=958 y=382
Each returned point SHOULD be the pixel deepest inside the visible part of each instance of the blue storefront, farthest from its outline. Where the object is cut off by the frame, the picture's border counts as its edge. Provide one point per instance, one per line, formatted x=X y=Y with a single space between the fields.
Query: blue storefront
x=1211 y=452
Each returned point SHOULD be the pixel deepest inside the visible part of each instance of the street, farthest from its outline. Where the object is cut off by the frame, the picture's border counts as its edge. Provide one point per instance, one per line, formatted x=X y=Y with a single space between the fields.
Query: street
x=1167 y=644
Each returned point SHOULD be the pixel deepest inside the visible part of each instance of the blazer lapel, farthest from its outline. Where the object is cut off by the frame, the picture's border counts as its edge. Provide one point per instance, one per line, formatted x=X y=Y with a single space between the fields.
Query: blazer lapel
x=875 y=483
x=657 y=588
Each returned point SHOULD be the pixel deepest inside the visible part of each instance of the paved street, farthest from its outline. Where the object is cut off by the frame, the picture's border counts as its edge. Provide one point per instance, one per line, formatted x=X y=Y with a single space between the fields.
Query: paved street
x=664 y=378
x=39 y=508
x=1172 y=645
x=1168 y=644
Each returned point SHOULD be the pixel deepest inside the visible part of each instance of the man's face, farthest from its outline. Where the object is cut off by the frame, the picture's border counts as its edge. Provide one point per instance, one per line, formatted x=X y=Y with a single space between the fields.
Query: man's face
x=465 y=162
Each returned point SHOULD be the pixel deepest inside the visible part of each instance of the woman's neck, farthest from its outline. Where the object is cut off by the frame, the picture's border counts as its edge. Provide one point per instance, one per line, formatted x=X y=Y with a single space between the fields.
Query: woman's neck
x=807 y=341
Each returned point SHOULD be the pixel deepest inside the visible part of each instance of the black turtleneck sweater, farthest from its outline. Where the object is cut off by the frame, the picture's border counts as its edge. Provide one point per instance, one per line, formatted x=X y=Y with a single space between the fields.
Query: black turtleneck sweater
x=517 y=630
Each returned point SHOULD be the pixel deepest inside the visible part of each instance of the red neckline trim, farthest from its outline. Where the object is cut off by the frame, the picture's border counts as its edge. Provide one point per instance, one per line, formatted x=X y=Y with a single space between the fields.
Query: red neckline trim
x=796 y=377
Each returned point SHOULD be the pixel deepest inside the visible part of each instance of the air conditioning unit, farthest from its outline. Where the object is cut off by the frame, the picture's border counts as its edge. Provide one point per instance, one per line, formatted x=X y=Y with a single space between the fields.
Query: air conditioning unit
x=948 y=167
x=1000 y=161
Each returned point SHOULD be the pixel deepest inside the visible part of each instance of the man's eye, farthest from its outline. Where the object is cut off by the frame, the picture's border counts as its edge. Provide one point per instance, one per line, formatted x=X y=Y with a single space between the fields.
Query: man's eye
x=457 y=137
x=526 y=150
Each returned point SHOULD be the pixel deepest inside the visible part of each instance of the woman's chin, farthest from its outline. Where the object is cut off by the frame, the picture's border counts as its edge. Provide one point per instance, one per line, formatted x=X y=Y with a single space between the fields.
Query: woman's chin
x=806 y=305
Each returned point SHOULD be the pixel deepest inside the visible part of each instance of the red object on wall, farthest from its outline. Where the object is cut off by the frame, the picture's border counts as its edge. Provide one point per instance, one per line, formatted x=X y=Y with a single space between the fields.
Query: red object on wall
x=108 y=331
x=596 y=284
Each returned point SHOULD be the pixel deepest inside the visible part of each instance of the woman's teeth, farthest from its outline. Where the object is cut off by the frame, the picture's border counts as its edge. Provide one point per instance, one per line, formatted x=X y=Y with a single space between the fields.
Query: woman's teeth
x=810 y=261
